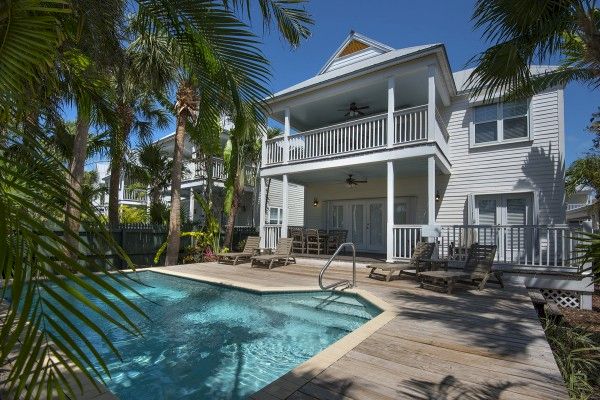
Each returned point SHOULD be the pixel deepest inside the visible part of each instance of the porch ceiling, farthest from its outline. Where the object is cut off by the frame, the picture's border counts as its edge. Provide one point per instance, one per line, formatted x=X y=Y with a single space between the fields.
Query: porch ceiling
x=410 y=90
x=402 y=168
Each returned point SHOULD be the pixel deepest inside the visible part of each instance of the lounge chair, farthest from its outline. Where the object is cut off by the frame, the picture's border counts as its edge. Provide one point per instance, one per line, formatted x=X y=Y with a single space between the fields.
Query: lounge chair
x=478 y=266
x=422 y=250
x=283 y=253
x=250 y=249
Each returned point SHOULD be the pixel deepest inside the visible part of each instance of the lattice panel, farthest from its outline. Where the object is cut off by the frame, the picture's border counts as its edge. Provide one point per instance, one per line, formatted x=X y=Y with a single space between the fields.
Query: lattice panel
x=563 y=298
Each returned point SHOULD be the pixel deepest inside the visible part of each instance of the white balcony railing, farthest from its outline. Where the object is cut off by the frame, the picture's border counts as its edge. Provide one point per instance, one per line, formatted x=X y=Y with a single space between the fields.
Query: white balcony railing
x=523 y=245
x=575 y=206
x=197 y=170
x=136 y=195
x=411 y=125
x=355 y=136
x=348 y=137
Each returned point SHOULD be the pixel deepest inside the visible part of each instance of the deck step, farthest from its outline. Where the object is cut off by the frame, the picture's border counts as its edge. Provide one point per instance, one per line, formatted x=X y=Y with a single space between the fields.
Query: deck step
x=340 y=299
x=342 y=309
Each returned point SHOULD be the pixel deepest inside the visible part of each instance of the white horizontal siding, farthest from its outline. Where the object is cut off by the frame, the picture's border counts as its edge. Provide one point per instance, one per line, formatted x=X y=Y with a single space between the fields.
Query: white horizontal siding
x=295 y=200
x=526 y=166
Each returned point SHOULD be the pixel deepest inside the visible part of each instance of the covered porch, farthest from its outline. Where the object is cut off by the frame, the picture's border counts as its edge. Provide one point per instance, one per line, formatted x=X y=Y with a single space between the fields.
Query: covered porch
x=380 y=206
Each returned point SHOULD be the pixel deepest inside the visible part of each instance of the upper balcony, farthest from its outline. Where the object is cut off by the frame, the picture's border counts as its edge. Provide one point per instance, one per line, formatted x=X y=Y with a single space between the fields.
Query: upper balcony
x=385 y=115
x=358 y=136
x=196 y=170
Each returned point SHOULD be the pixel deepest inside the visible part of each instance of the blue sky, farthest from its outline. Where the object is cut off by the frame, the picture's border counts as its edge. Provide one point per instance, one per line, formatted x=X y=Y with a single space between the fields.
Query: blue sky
x=400 y=23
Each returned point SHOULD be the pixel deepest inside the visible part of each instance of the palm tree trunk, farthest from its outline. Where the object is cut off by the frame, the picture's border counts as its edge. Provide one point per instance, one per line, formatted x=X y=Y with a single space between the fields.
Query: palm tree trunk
x=113 y=190
x=238 y=189
x=76 y=169
x=173 y=240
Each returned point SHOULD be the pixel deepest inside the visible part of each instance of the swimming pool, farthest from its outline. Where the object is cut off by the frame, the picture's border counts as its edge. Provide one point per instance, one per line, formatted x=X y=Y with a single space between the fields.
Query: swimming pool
x=207 y=341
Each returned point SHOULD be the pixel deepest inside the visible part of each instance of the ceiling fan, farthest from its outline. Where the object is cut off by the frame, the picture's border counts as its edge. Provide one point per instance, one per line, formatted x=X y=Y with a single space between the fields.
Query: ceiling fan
x=351 y=182
x=354 y=110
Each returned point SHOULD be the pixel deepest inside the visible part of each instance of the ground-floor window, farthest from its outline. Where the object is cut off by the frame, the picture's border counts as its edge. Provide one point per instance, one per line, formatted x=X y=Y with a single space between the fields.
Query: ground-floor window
x=275 y=215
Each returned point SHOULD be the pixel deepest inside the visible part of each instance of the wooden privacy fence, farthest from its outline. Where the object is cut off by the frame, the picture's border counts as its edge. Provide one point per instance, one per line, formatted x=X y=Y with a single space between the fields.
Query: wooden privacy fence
x=141 y=242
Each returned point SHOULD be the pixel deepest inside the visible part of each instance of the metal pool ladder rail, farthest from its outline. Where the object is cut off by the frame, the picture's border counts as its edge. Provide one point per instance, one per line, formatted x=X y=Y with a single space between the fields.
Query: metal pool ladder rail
x=344 y=281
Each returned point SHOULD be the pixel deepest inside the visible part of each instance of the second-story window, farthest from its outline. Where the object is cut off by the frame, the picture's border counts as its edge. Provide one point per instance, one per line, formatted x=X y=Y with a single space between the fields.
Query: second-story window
x=500 y=122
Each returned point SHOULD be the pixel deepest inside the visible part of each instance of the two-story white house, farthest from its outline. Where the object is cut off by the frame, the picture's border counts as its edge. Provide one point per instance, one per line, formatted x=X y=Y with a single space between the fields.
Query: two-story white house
x=390 y=145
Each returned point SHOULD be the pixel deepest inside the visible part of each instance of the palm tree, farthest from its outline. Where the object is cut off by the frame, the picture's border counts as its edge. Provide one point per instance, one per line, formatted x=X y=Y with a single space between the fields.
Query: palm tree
x=33 y=188
x=523 y=32
x=152 y=168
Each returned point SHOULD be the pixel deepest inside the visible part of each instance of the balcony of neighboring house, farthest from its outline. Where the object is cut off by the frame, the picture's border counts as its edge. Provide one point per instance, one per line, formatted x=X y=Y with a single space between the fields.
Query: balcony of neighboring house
x=196 y=172
x=130 y=196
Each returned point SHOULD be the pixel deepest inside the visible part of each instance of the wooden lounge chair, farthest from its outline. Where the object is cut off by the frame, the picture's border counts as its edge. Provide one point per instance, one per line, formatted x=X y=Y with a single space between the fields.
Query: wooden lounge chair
x=250 y=249
x=478 y=266
x=283 y=253
x=422 y=250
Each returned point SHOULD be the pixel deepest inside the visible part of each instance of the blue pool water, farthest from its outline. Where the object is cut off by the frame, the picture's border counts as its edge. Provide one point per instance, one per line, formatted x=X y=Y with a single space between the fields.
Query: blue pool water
x=206 y=341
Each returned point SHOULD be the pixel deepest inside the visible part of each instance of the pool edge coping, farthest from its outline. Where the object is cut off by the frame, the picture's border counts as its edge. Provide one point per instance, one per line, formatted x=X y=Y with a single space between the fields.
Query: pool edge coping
x=294 y=379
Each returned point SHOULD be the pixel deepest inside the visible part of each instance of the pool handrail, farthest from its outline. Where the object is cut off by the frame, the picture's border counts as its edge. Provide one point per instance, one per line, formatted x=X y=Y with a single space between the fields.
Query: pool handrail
x=343 y=281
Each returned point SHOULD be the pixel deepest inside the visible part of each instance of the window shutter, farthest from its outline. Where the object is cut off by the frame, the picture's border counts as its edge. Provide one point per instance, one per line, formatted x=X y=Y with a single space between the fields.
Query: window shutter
x=536 y=207
x=470 y=209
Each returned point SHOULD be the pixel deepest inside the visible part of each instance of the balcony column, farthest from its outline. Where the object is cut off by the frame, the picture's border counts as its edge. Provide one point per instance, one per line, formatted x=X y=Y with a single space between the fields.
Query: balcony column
x=431 y=72
x=263 y=211
x=194 y=167
x=285 y=207
x=192 y=205
x=390 y=113
x=431 y=193
x=390 y=212
x=286 y=136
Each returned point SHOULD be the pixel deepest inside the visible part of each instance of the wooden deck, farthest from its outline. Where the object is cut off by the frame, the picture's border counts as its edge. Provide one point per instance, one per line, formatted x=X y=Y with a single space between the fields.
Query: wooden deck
x=472 y=344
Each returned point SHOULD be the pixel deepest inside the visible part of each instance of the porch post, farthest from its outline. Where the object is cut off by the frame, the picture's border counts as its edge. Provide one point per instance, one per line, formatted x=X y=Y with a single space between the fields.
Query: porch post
x=431 y=190
x=285 y=207
x=286 y=136
x=262 y=205
x=390 y=113
x=390 y=212
x=191 y=205
x=431 y=72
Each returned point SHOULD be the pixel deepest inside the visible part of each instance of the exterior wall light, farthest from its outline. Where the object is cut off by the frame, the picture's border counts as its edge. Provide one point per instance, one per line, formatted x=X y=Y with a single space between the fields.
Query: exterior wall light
x=315 y=202
x=437 y=196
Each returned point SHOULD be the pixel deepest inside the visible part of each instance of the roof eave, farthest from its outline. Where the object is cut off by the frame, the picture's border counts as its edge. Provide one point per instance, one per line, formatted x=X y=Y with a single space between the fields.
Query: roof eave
x=433 y=50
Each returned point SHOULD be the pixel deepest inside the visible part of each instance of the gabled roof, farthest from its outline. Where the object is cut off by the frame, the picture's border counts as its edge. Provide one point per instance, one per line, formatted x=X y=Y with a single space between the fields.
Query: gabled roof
x=354 y=43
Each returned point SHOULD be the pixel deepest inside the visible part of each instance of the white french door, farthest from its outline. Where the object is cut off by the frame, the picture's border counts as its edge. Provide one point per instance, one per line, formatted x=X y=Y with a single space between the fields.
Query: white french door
x=365 y=221
x=513 y=213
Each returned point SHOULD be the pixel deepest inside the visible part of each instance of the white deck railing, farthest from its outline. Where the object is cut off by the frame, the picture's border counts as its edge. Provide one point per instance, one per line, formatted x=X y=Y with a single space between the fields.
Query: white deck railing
x=272 y=235
x=197 y=170
x=526 y=245
x=355 y=136
x=405 y=239
x=523 y=245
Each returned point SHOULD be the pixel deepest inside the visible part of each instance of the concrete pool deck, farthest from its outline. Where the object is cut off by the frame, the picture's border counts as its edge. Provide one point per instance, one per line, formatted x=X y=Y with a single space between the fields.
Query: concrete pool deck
x=471 y=344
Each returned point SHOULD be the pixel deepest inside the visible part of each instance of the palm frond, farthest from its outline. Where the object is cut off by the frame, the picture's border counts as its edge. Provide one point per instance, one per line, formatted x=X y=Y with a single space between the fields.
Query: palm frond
x=50 y=293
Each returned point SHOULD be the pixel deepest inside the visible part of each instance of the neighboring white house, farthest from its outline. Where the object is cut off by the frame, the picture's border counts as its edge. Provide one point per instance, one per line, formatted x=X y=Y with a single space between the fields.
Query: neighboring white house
x=583 y=209
x=389 y=145
x=195 y=180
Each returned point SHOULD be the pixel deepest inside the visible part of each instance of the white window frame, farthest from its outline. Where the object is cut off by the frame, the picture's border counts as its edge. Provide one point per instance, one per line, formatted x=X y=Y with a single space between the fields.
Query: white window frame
x=279 y=216
x=499 y=125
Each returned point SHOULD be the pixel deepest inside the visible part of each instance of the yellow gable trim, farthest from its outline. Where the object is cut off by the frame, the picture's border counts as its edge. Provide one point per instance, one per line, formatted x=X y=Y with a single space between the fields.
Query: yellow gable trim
x=353 y=47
